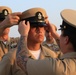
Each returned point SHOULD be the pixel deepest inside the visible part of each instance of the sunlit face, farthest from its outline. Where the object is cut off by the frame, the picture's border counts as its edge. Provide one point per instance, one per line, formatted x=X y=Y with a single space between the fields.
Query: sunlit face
x=36 y=34
x=62 y=42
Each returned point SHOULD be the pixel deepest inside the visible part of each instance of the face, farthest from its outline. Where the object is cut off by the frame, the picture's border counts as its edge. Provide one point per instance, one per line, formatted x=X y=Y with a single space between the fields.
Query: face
x=36 y=34
x=63 y=42
x=48 y=36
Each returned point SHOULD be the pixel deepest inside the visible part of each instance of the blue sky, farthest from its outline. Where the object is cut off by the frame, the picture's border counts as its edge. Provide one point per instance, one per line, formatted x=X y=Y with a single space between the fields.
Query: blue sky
x=52 y=7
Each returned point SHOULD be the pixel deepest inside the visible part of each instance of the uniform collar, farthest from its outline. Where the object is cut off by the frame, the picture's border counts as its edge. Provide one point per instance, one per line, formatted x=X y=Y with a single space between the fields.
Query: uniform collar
x=43 y=53
x=69 y=55
x=51 y=43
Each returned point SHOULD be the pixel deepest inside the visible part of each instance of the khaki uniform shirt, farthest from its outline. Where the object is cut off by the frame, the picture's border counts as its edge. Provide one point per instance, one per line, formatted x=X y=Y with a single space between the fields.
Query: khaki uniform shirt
x=8 y=65
x=53 y=47
x=66 y=65
x=45 y=53
x=4 y=48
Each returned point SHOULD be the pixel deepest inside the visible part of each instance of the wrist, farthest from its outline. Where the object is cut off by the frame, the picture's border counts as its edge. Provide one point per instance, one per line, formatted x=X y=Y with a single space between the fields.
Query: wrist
x=3 y=25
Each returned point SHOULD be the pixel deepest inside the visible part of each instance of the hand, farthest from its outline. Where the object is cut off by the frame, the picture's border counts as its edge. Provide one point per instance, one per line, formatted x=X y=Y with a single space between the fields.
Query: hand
x=51 y=27
x=12 y=19
x=24 y=28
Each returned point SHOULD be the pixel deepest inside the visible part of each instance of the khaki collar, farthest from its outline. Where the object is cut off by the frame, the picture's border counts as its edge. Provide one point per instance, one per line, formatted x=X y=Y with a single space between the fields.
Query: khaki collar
x=69 y=55
x=43 y=52
x=51 y=44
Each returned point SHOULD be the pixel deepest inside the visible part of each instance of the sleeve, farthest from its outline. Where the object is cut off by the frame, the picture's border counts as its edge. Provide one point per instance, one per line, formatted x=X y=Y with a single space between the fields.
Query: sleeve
x=49 y=66
x=8 y=65
x=39 y=67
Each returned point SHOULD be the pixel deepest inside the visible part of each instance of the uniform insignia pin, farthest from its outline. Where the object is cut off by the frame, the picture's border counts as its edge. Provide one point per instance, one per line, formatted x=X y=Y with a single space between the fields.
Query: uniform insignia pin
x=5 y=12
x=39 y=16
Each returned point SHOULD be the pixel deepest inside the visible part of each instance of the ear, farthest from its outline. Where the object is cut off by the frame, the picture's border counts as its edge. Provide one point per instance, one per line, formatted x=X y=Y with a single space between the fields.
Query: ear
x=66 y=40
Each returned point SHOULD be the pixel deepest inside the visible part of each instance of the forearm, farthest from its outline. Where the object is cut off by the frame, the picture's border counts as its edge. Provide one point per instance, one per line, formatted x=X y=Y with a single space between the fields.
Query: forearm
x=2 y=27
x=22 y=53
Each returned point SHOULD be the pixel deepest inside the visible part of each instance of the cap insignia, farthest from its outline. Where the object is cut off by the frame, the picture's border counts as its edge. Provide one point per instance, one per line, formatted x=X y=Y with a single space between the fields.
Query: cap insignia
x=5 y=12
x=39 y=15
x=64 y=27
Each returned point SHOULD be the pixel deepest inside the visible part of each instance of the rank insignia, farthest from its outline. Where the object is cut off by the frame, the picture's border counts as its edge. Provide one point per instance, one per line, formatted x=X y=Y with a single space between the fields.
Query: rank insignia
x=5 y=12
x=39 y=15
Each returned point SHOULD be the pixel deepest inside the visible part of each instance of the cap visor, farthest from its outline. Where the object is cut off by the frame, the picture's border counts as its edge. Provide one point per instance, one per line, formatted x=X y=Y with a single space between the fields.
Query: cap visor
x=38 y=24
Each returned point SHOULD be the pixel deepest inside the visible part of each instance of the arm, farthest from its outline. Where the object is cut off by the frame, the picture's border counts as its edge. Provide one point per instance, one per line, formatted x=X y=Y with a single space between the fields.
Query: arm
x=10 y=20
x=22 y=52
x=52 y=29
x=8 y=65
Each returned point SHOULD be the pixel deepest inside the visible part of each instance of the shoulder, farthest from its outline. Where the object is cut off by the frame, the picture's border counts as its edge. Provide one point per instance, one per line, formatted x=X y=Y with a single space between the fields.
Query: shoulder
x=11 y=56
x=49 y=52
